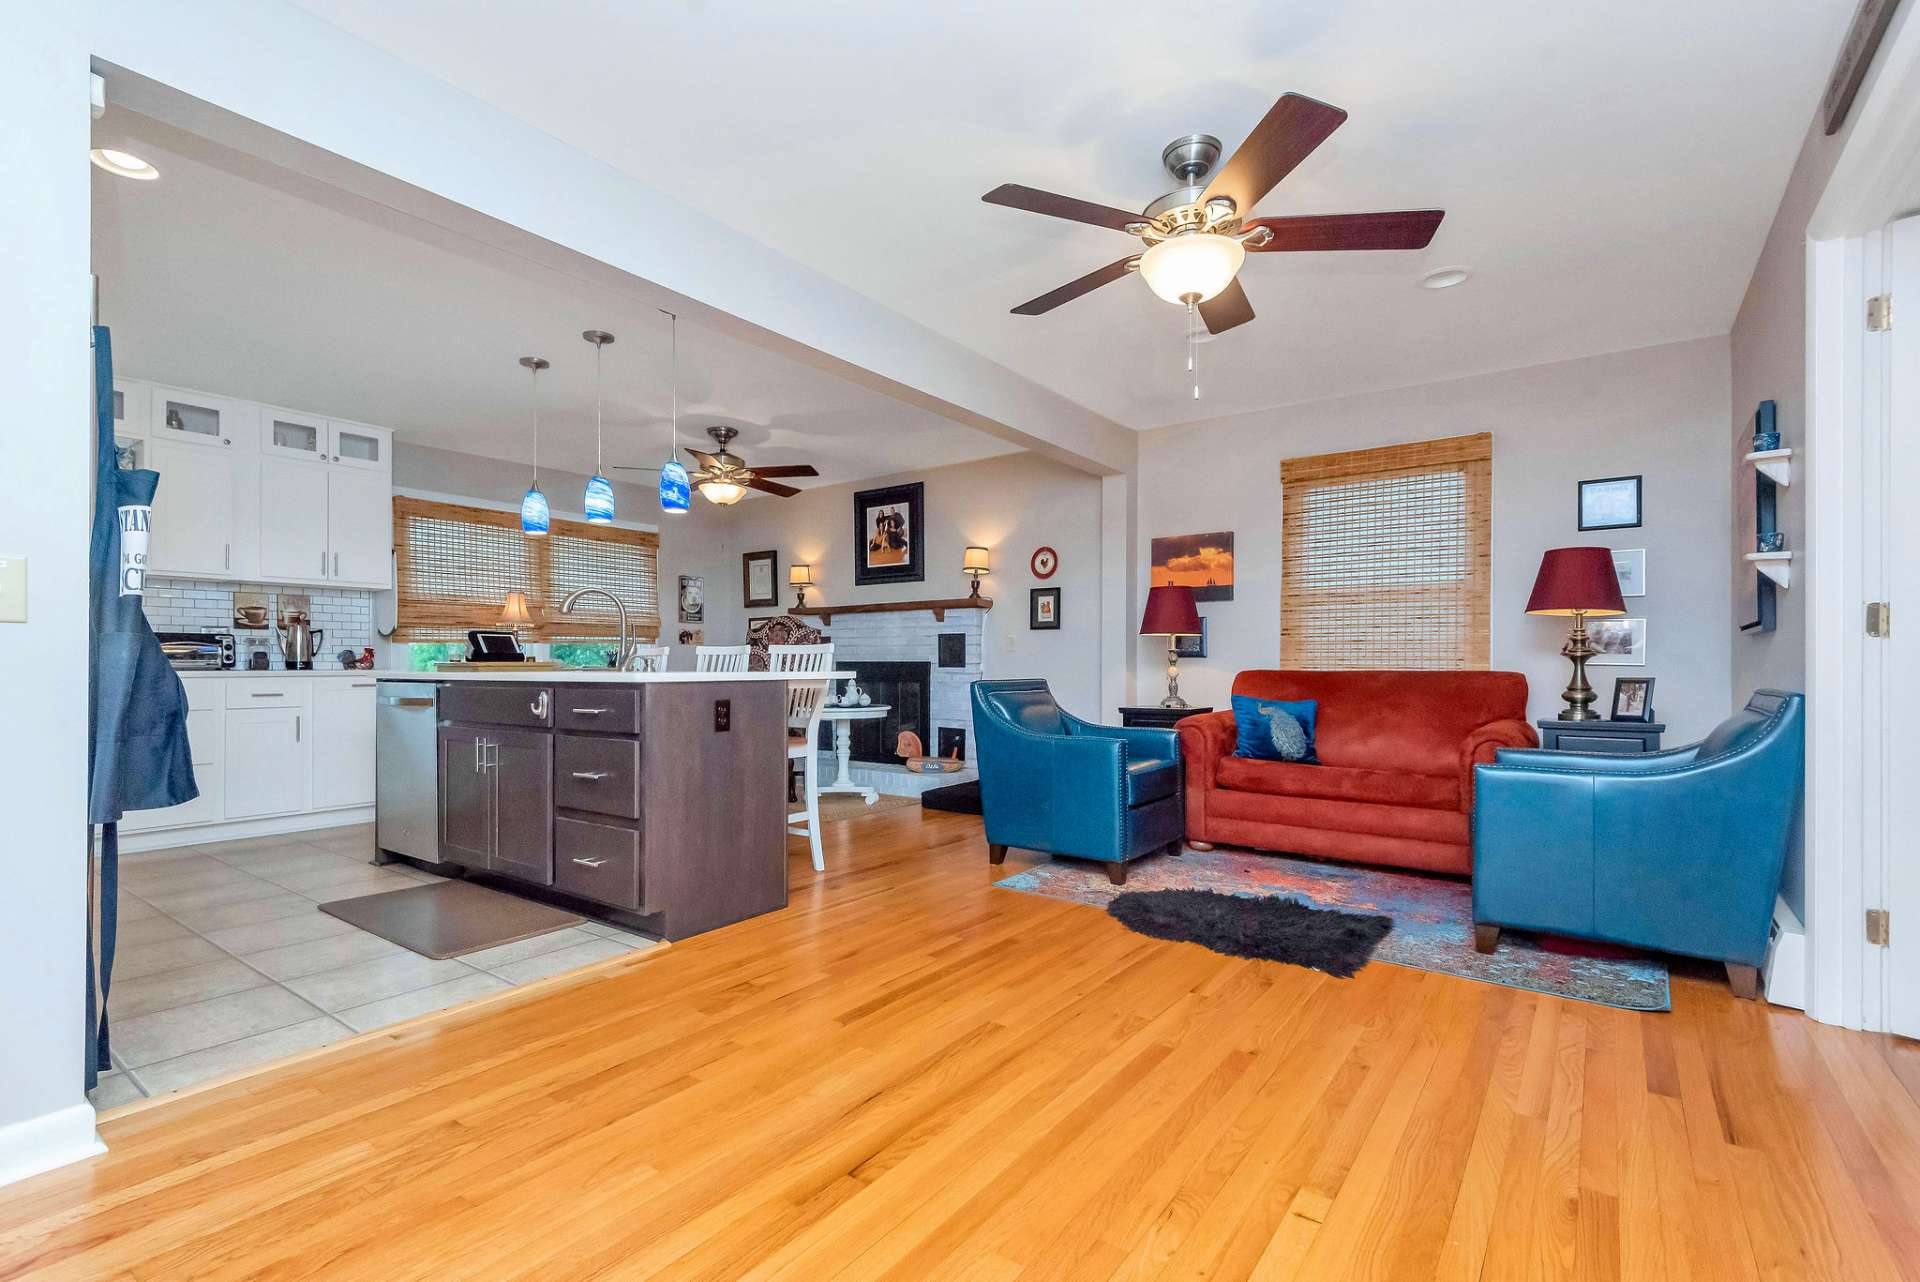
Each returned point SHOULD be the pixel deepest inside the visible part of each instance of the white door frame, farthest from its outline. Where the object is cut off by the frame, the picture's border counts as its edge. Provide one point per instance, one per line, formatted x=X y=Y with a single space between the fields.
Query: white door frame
x=1846 y=868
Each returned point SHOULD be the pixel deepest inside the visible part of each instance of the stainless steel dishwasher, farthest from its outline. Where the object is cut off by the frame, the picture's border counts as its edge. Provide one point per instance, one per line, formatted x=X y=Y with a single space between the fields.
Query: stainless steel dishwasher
x=406 y=771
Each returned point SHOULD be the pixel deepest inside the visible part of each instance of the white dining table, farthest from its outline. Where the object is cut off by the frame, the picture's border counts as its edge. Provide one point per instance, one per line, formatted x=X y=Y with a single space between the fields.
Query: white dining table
x=843 y=719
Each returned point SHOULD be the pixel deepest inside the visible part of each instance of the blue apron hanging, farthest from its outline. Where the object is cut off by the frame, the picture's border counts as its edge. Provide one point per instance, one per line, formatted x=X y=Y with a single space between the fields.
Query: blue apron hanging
x=137 y=755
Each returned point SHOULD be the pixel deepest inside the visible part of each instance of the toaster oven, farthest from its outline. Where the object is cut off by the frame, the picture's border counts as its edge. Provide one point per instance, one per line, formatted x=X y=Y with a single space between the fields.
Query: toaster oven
x=197 y=651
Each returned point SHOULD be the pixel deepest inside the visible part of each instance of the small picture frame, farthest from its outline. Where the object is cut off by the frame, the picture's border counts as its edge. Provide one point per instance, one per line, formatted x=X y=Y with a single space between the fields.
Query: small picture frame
x=1043 y=609
x=1633 y=699
x=1610 y=503
x=1618 y=643
x=1192 y=645
x=759 y=579
x=693 y=598
x=1631 y=565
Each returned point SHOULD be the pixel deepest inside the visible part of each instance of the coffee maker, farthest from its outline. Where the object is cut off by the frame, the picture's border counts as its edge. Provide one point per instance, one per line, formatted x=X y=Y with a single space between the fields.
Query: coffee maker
x=299 y=642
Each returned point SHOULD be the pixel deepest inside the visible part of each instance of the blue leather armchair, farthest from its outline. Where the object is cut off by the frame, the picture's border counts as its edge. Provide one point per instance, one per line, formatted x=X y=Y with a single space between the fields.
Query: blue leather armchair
x=1050 y=781
x=1678 y=851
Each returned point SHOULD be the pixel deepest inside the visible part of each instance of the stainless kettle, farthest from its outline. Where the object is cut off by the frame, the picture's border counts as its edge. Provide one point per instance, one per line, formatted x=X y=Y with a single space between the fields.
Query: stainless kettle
x=299 y=642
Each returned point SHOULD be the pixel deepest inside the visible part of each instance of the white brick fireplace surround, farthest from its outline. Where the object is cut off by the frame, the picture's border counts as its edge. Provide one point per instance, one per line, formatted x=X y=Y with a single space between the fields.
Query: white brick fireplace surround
x=913 y=636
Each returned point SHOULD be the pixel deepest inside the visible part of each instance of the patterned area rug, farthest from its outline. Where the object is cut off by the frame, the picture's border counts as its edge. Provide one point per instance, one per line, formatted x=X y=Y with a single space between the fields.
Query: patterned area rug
x=1432 y=918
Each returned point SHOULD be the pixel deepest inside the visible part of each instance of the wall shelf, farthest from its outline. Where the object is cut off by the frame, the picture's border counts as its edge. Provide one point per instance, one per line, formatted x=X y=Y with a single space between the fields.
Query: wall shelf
x=1775 y=465
x=939 y=608
x=1777 y=566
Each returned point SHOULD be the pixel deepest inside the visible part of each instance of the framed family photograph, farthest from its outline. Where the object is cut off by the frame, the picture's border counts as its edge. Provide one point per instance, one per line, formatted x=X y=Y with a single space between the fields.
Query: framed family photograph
x=890 y=535
x=1633 y=698
x=759 y=577
x=1610 y=503
x=1618 y=643
x=1043 y=609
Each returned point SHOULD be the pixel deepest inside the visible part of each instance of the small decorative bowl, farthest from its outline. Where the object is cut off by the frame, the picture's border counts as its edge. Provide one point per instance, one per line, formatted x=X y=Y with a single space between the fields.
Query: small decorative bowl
x=1764 y=441
x=1770 y=541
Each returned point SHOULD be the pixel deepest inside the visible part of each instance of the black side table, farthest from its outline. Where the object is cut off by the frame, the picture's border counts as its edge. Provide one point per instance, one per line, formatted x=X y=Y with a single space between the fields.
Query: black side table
x=1601 y=736
x=1156 y=716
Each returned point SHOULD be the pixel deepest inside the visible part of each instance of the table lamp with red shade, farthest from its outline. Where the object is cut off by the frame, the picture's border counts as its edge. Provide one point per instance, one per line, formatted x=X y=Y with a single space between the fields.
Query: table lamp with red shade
x=1170 y=613
x=1577 y=582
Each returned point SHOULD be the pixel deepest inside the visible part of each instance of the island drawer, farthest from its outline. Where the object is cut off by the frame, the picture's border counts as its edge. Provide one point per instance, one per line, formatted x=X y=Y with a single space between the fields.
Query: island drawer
x=597 y=774
x=501 y=705
x=597 y=861
x=606 y=709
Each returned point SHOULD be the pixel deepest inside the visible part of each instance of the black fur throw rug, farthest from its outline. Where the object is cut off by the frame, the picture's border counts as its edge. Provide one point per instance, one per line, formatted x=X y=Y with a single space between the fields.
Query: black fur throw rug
x=1282 y=930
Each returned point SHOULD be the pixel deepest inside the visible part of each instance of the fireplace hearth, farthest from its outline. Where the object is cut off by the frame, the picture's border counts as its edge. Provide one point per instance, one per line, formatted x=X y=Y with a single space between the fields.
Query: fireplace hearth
x=907 y=689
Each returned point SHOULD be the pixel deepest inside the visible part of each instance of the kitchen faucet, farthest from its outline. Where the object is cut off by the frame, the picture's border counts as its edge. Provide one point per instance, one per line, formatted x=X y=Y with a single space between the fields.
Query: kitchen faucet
x=624 y=660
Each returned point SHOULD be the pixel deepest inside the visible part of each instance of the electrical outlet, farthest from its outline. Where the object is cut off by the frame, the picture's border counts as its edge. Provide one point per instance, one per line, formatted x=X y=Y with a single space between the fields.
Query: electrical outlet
x=13 y=589
x=722 y=715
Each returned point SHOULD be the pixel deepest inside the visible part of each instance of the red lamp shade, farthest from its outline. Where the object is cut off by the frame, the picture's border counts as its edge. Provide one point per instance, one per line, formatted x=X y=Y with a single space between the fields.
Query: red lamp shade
x=1170 y=612
x=1576 y=580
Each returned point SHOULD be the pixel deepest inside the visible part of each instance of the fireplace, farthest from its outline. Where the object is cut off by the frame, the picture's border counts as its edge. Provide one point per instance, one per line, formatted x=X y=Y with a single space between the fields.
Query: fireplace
x=906 y=688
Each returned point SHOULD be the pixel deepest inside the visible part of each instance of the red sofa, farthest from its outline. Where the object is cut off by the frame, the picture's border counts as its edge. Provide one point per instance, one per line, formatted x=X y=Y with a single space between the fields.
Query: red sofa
x=1395 y=781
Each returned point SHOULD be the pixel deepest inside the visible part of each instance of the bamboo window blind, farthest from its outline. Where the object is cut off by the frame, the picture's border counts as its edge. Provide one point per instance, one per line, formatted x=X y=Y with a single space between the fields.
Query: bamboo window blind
x=1386 y=555
x=454 y=565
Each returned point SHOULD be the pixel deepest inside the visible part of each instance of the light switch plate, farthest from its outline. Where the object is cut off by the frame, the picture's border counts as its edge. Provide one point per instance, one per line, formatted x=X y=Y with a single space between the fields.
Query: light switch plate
x=13 y=589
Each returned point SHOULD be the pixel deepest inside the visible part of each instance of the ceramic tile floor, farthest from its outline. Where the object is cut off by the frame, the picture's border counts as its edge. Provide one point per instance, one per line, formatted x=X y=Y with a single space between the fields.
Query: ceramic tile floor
x=225 y=961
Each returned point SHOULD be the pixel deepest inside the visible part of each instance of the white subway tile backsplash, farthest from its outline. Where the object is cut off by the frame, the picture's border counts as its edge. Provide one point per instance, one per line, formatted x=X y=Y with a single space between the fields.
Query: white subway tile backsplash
x=192 y=605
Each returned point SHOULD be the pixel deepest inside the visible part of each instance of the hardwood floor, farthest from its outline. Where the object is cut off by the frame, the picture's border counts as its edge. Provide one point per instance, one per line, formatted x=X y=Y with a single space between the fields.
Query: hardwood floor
x=909 y=1075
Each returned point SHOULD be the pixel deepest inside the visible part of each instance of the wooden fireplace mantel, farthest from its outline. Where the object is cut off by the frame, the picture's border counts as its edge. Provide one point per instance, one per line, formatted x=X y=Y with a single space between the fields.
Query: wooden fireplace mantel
x=939 y=609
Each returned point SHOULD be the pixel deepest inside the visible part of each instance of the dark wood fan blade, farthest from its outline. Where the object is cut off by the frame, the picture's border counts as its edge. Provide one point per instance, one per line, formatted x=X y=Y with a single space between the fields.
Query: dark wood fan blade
x=1226 y=309
x=1035 y=201
x=772 y=487
x=1400 y=229
x=1286 y=136
x=787 y=469
x=628 y=467
x=1074 y=288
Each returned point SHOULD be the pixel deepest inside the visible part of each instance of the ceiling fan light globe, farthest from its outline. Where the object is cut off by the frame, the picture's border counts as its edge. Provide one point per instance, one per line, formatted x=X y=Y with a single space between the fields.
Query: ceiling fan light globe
x=1192 y=268
x=724 y=493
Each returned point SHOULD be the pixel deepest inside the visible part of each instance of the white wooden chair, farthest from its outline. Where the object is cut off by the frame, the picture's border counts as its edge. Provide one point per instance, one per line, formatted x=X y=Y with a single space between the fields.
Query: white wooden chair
x=721 y=658
x=650 y=658
x=800 y=658
x=805 y=702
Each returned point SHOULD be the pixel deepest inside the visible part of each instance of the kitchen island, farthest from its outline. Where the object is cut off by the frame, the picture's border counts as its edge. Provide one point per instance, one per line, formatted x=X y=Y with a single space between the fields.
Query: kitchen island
x=656 y=795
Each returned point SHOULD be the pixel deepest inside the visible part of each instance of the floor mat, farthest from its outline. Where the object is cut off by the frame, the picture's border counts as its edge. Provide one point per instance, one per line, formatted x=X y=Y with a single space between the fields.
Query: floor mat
x=448 y=918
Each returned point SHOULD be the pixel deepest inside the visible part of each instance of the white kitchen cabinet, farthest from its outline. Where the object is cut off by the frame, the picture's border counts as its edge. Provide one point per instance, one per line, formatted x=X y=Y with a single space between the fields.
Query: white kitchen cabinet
x=360 y=528
x=204 y=420
x=343 y=718
x=269 y=761
x=206 y=512
x=293 y=520
x=291 y=434
x=360 y=446
x=206 y=742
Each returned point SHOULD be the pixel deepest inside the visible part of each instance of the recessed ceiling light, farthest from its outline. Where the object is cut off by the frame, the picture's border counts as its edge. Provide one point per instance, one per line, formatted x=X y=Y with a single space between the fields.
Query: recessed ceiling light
x=1444 y=278
x=124 y=163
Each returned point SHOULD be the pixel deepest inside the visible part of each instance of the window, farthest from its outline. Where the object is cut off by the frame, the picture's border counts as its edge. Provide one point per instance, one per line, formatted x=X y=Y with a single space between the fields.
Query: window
x=1385 y=556
x=454 y=565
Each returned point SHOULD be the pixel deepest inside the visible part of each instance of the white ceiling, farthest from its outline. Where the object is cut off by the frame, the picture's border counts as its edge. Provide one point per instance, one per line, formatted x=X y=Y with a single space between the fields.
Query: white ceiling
x=215 y=281
x=1609 y=171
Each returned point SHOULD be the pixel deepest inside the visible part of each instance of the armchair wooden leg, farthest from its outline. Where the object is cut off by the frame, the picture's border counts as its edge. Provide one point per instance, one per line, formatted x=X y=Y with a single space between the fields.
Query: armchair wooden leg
x=1201 y=845
x=1485 y=938
x=996 y=853
x=1117 y=874
x=1744 y=980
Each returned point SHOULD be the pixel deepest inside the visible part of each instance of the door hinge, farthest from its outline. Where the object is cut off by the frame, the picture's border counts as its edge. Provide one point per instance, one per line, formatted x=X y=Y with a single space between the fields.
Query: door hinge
x=1880 y=313
x=1879 y=619
x=1879 y=926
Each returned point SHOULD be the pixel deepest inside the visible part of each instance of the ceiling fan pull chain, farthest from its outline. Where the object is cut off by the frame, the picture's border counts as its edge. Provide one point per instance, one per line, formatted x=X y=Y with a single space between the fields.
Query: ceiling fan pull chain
x=1193 y=347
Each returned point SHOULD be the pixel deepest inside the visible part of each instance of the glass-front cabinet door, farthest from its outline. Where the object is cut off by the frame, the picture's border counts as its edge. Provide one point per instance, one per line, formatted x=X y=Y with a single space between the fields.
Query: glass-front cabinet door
x=200 y=419
x=357 y=445
x=293 y=435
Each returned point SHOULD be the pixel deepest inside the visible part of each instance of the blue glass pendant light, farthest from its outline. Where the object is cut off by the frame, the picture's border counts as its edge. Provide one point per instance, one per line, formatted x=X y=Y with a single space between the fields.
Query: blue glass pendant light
x=676 y=490
x=533 y=508
x=598 y=501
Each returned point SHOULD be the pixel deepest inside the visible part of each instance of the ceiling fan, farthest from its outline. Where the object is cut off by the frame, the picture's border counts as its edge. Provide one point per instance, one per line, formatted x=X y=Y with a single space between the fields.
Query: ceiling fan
x=1198 y=235
x=725 y=478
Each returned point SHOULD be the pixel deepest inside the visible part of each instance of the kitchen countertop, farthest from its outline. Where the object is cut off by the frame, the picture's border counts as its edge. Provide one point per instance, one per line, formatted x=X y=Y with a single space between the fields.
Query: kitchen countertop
x=605 y=676
x=283 y=673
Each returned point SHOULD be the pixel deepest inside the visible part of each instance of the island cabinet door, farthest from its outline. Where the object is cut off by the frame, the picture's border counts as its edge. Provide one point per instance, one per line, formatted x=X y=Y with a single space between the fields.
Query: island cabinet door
x=466 y=796
x=523 y=804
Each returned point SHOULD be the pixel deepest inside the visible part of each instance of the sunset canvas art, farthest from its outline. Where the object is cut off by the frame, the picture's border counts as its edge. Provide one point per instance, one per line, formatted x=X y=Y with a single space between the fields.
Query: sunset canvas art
x=1203 y=562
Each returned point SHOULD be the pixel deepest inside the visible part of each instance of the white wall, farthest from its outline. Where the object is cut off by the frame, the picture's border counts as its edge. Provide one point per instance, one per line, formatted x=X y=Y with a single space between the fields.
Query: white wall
x=45 y=458
x=1010 y=505
x=1659 y=411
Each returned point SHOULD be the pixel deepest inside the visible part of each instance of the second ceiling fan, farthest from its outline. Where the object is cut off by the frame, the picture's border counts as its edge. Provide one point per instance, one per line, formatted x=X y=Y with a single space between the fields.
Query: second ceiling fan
x=1198 y=235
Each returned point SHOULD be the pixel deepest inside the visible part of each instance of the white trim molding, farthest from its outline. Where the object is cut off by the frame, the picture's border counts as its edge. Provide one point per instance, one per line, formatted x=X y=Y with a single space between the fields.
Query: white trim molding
x=40 y=1144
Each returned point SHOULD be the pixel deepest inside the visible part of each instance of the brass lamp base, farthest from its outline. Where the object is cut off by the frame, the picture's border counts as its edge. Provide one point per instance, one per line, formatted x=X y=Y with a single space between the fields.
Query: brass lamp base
x=1578 y=694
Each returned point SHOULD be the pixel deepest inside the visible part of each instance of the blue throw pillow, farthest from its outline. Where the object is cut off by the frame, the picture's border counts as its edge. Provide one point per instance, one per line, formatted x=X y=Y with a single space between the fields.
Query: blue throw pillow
x=1265 y=733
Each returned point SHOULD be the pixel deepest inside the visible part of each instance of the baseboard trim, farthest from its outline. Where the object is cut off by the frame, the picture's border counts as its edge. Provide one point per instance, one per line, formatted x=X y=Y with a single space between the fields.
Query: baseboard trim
x=235 y=829
x=1787 y=959
x=40 y=1144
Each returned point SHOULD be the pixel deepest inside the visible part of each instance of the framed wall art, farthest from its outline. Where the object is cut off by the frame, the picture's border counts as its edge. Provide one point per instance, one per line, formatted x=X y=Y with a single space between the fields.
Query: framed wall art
x=1203 y=562
x=759 y=579
x=890 y=535
x=1043 y=609
x=1618 y=643
x=693 y=598
x=1610 y=503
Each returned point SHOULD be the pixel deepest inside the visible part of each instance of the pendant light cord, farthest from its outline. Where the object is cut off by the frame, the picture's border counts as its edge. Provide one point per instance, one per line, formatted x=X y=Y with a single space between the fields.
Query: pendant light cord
x=597 y=468
x=673 y=366
x=534 y=370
